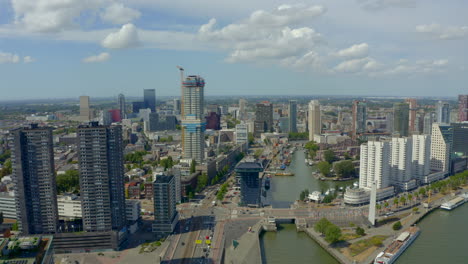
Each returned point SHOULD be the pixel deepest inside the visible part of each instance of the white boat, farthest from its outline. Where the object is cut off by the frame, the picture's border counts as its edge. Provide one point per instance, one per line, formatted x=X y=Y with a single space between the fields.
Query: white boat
x=455 y=202
x=398 y=246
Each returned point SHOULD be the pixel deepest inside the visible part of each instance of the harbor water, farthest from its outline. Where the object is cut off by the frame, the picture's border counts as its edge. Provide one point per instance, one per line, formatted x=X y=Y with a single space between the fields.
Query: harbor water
x=442 y=238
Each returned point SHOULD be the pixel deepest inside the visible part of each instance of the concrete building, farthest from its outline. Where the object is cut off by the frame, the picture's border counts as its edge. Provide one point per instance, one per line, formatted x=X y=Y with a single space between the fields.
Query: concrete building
x=133 y=214
x=176 y=104
x=213 y=121
x=293 y=116
x=250 y=183
x=165 y=213
x=463 y=107
x=314 y=119
x=441 y=147
x=242 y=108
x=284 y=124
x=160 y=123
x=34 y=180
x=374 y=164
x=413 y=107
x=100 y=156
x=401 y=119
x=263 y=118
x=359 y=118
x=85 y=110
x=443 y=112
x=242 y=134
x=136 y=106
x=149 y=99
x=421 y=156
x=69 y=207
x=193 y=120
x=428 y=120
x=401 y=163
x=8 y=205
x=122 y=106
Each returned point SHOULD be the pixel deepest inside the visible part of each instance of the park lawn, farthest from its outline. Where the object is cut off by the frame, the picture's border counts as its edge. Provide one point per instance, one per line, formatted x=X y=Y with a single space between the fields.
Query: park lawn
x=358 y=247
x=349 y=236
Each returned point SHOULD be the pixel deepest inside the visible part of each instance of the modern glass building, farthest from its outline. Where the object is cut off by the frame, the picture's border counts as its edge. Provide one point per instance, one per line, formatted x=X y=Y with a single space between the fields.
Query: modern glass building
x=149 y=99
x=401 y=119
x=250 y=183
x=293 y=116
x=193 y=120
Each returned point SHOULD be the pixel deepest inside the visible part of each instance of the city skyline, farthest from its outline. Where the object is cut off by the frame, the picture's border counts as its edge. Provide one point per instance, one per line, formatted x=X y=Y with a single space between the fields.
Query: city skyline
x=331 y=48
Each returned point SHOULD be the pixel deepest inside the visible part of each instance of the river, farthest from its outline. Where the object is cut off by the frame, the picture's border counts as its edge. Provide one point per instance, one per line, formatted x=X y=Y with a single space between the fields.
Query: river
x=442 y=238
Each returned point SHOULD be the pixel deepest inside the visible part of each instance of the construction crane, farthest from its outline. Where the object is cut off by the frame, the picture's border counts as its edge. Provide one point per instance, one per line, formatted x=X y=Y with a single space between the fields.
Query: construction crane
x=182 y=103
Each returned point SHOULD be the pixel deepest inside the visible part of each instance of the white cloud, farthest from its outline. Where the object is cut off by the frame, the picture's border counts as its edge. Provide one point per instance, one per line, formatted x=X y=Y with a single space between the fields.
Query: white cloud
x=28 y=59
x=126 y=37
x=355 y=51
x=441 y=32
x=266 y=36
x=117 y=13
x=354 y=65
x=9 y=58
x=373 y=5
x=405 y=67
x=104 y=56
x=51 y=15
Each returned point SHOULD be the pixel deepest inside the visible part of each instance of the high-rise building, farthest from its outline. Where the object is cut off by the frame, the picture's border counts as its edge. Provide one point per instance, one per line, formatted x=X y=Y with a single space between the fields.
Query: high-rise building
x=34 y=180
x=315 y=120
x=441 y=147
x=137 y=106
x=284 y=124
x=213 y=121
x=242 y=134
x=176 y=104
x=401 y=119
x=122 y=106
x=359 y=118
x=293 y=116
x=85 y=111
x=428 y=120
x=263 y=118
x=242 y=108
x=413 y=107
x=149 y=99
x=374 y=165
x=463 y=107
x=165 y=213
x=250 y=183
x=401 y=162
x=100 y=157
x=193 y=120
x=443 y=112
x=421 y=156
x=460 y=139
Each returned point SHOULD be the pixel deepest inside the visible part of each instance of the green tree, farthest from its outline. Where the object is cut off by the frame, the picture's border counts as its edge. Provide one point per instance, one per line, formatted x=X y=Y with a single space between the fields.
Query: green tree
x=360 y=231
x=251 y=138
x=332 y=234
x=312 y=148
x=403 y=200
x=193 y=166
x=329 y=156
x=258 y=153
x=321 y=225
x=395 y=202
x=344 y=169
x=202 y=181
x=397 y=226
x=415 y=209
x=324 y=168
x=68 y=182
x=422 y=191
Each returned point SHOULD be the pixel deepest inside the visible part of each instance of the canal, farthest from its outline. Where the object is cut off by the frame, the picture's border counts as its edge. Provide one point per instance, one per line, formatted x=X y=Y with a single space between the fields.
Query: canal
x=285 y=190
x=287 y=245
x=442 y=239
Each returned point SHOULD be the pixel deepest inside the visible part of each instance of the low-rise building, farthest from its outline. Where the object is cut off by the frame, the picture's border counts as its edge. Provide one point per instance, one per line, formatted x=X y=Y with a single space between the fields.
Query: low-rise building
x=69 y=207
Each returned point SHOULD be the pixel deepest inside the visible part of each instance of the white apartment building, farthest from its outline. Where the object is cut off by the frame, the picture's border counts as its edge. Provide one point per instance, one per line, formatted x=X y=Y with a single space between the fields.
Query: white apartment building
x=242 y=134
x=440 y=148
x=374 y=164
x=421 y=156
x=401 y=163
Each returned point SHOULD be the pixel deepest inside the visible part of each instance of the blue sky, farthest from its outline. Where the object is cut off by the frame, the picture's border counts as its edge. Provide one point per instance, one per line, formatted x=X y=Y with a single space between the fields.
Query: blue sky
x=58 y=48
